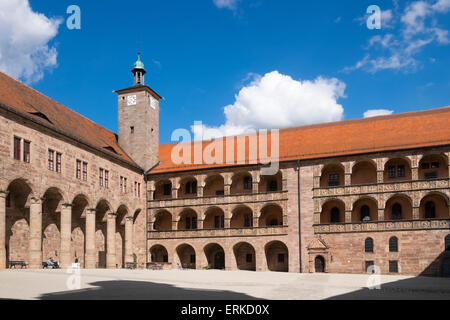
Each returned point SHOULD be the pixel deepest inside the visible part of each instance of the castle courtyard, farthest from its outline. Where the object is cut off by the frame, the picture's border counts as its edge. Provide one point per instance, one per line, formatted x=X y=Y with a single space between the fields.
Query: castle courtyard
x=212 y=285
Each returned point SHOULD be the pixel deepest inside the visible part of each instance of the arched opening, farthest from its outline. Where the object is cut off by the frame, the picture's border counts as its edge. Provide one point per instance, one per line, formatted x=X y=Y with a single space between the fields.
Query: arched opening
x=271 y=215
x=158 y=254
x=102 y=210
x=163 y=190
x=214 y=219
x=215 y=255
x=79 y=205
x=319 y=264
x=398 y=208
x=333 y=211
x=393 y=244
x=368 y=245
x=214 y=186
x=365 y=210
x=434 y=206
x=163 y=221
x=397 y=169
x=433 y=166
x=277 y=256
x=272 y=183
x=364 y=172
x=245 y=256
x=51 y=223
x=333 y=175
x=188 y=220
x=242 y=217
x=188 y=188
x=122 y=214
x=186 y=254
x=242 y=183
x=17 y=221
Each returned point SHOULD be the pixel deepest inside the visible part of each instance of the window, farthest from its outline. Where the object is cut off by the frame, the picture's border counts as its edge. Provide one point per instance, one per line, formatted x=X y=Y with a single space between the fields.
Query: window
x=280 y=258
x=365 y=214
x=78 y=173
x=124 y=185
x=192 y=258
x=333 y=179
x=391 y=172
x=220 y=192
x=435 y=165
x=425 y=166
x=132 y=130
x=194 y=223
x=393 y=244
x=368 y=245
x=219 y=222
x=397 y=211
x=139 y=190
x=121 y=184
x=396 y=172
x=369 y=267
x=393 y=266
x=135 y=189
x=248 y=183
x=273 y=186
x=401 y=171
x=17 y=148
x=191 y=223
x=101 y=177
x=26 y=151
x=191 y=187
x=58 y=162
x=167 y=189
x=249 y=258
x=430 y=210
x=85 y=165
x=248 y=221
x=447 y=243
x=335 y=215
x=106 y=178
x=51 y=160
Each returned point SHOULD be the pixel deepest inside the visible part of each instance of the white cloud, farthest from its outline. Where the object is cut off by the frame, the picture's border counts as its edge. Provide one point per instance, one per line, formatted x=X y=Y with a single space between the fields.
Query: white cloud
x=226 y=4
x=278 y=101
x=25 y=52
x=377 y=112
x=417 y=30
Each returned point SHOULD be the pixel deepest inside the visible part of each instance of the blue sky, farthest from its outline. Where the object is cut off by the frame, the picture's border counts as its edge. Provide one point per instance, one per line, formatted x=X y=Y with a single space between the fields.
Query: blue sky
x=313 y=61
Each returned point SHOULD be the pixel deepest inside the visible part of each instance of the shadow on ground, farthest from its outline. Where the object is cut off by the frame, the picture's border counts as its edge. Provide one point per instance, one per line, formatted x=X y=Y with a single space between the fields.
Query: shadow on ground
x=419 y=288
x=141 y=290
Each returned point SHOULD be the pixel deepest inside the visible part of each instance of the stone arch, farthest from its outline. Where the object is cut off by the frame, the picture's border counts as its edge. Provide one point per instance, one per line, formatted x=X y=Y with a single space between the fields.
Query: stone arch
x=319 y=264
x=277 y=256
x=163 y=189
x=398 y=205
x=159 y=254
x=187 y=219
x=364 y=172
x=214 y=185
x=102 y=209
x=241 y=217
x=271 y=215
x=435 y=205
x=395 y=164
x=245 y=256
x=162 y=221
x=80 y=204
x=51 y=223
x=188 y=187
x=332 y=175
x=187 y=256
x=333 y=211
x=365 y=207
x=215 y=255
x=433 y=166
x=214 y=218
x=122 y=214
x=241 y=183
x=271 y=183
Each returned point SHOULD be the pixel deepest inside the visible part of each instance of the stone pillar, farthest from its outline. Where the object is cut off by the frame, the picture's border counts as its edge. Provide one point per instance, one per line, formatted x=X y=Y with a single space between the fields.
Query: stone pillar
x=227 y=223
x=415 y=213
x=348 y=216
x=3 y=195
x=129 y=239
x=260 y=259
x=230 y=260
x=381 y=214
x=227 y=189
x=200 y=191
x=415 y=173
x=90 y=258
x=111 y=241
x=35 y=246
x=66 y=235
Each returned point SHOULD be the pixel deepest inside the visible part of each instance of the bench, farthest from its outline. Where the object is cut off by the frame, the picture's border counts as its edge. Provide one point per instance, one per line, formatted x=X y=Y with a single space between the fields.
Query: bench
x=46 y=266
x=15 y=264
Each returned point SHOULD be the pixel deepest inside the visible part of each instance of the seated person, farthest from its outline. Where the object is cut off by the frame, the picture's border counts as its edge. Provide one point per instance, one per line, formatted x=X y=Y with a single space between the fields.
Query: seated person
x=52 y=263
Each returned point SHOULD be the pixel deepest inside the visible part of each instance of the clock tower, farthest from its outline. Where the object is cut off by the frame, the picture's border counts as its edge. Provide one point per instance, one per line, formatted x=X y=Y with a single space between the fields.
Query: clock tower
x=139 y=119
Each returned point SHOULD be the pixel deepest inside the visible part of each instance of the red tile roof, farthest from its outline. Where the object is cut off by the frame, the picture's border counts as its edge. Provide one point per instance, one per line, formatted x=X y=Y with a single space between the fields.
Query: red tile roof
x=385 y=133
x=40 y=108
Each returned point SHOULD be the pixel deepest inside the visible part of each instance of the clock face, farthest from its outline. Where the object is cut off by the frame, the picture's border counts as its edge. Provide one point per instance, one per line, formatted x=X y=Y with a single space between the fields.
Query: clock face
x=131 y=100
x=153 y=102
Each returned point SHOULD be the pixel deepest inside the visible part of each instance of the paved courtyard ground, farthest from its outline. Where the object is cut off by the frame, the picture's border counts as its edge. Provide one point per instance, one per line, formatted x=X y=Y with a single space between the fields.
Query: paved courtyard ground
x=212 y=285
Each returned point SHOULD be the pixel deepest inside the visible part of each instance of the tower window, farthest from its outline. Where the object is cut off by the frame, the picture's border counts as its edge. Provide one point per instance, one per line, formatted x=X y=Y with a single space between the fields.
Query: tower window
x=132 y=130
